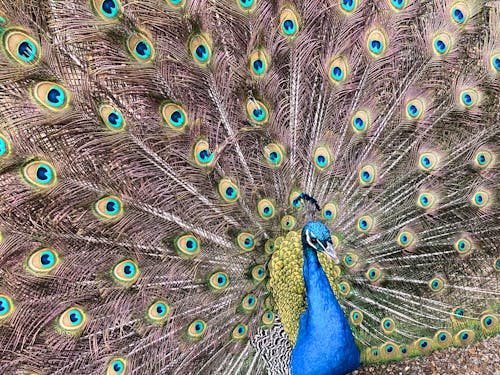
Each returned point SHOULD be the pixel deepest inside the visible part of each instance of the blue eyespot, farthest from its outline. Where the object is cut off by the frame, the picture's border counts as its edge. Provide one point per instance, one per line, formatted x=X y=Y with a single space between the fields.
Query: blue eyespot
x=177 y=118
x=321 y=160
x=426 y=162
x=365 y=176
x=161 y=309
x=248 y=242
x=47 y=259
x=466 y=98
x=44 y=174
x=496 y=63
x=112 y=206
x=375 y=46
x=458 y=15
x=115 y=120
x=398 y=4
x=55 y=96
x=440 y=45
x=246 y=3
x=337 y=73
x=27 y=50
x=3 y=147
x=5 y=306
x=258 y=114
x=258 y=66
x=328 y=214
x=202 y=53
x=109 y=8
x=117 y=367
x=348 y=5
x=142 y=49
x=443 y=337
x=413 y=110
x=288 y=27
x=359 y=123
x=75 y=317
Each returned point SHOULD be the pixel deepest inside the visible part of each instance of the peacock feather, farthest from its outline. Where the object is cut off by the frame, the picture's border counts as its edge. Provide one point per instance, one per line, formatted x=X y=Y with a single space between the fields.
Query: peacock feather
x=246 y=186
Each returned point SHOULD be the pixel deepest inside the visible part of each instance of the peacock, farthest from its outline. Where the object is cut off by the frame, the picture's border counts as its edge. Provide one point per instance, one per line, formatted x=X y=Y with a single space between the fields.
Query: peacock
x=246 y=186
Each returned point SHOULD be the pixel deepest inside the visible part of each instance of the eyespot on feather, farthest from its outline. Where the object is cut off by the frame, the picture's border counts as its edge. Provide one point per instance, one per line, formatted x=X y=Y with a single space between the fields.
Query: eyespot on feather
x=158 y=312
x=248 y=303
x=329 y=211
x=246 y=241
x=266 y=209
x=218 y=281
x=269 y=246
x=367 y=174
x=480 y=198
x=428 y=161
x=373 y=274
x=443 y=338
x=350 y=260
x=141 y=48
x=51 y=96
x=200 y=47
x=187 y=245
x=469 y=98
x=228 y=190
x=289 y=22
x=112 y=118
x=348 y=6
x=267 y=318
x=258 y=273
x=21 y=47
x=460 y=13
x=436 y=284
x=464 y=337
x=495 y=62
x=344 y=288
x=483 y=159
x=406 y=238
x=109 y=208
x=108 y=10
x=174 y=116
x=389 y=350
x=423 y=345
x=239 y=332
x=125 y=272
x=6 y=306
x=322 y=157
x=274 y=155
x=441 y=43
x=247 y=6
x=39 y=174
x=365 y=223
x=489 y=322
x=463 y=246
x=426 y=200
x=176 y=4
x=294 y=199
x=288 y=222
x=202 y=155
x=197 y=329
x=257 y=112
x=398 y=5
x=42 y=261
x=415 y=109
x=5 y=147
x=259 y=62
x=356 y=317
x=116 y=366
x=338 y=70
x=376 y=42
x=72 y=321
x=360 y=122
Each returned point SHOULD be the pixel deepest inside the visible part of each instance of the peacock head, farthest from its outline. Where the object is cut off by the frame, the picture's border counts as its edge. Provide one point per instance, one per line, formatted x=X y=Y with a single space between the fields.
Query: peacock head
x=316 y=236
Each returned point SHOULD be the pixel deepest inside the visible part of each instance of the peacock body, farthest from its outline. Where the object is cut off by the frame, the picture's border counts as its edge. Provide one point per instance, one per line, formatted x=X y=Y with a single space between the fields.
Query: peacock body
x=246 y=186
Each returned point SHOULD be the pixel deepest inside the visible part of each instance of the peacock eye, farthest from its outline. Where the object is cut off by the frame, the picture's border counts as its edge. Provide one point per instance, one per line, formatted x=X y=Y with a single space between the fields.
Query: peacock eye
x=108 y=208
x=464 y=337
x=176 y=4
x=228 y=190
x=428 y=161
x=367 y=174
x=6 y=306
x=267 y=318
x=274 y=154
x=265 y=209
x=356 y=317
x=406 y=238
x=125 y=273
x=200 y=46
x=187 y=245
x=257 y=112
x=174 y=116
x=218 y=281
x=141 y=48
x=460 y=13
x=4 y=147
x=40 y=174
x=202 y=155
x=339 y=70
x=360 y=122
x=426 y=200
x=480 y=198
x=322 y=157
x=247 y=5
x=289 y=21
x=489 y=322
x=259 y=63
x=246 y=241
x=158 y=312
x=398 y=5
x=51 y=96
x=436 y=284
x=21 y=47
x=240 y=332
x=248 y=303
x=288 y=222
x=108 y=10
x=112 y=118
x=376 y=41
x=415 y=109
x=495 y=62
x=116 y=366
x=469 y=98
x=441 y=43
x=72 y=321
x=258 y=273
x=42 y=261
x=197 y=329
x=349 y=6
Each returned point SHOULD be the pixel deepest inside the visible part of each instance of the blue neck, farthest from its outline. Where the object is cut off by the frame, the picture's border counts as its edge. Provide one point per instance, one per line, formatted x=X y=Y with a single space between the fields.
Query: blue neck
x=325 y=345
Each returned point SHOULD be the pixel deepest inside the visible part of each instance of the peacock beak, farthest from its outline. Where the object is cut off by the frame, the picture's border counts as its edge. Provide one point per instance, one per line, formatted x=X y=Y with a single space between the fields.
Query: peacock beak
x=330 y=251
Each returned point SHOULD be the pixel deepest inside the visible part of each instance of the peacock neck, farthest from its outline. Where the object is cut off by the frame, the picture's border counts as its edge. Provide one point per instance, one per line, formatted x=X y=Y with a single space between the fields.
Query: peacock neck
x=325 y=344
